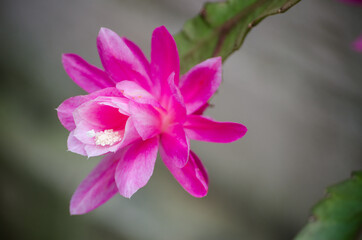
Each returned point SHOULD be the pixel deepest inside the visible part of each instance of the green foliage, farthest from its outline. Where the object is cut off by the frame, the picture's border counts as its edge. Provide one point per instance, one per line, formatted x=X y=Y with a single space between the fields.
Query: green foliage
x=339 y=215
x=221 y=27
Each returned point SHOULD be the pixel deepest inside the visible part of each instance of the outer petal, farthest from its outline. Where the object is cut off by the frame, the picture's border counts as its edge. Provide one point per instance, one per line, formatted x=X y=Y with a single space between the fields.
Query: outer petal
x=136 y=166
x=135 y=92
x=97 y=188
x=122 y=59
x=204 y=129
x=66 y=109
x=87 y=76
x=76 y=146
x=192 y=177
x=146 y=119
x=175 y=146
x=164 y=58
x=200 y=83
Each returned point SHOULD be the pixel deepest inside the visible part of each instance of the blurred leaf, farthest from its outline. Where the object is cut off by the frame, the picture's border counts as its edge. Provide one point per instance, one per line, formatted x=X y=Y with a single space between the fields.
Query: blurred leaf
x=221 y=27
x=339 y=215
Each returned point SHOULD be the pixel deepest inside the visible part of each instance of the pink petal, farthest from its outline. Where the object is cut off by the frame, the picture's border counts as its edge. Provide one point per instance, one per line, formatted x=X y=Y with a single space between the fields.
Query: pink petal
x=122 y=59
x=192 y=177
x=147 y=120
x=87 y=76
x=76 y=146
x=66 y=109
x=175 y=145
x=201 y=109
x=204 y=129
x=136 y=166
x=164 y=58
x=97 y=188
x=135 y=92
x=200 y=83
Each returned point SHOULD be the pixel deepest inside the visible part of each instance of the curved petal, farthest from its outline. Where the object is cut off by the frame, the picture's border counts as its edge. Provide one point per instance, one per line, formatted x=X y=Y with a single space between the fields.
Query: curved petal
x=97 y=188
x=122 y=59
x=175 y=146
x=136 y=166
x=204 y=129
x=164 y=58
x=66 y=109
x=201 y=109
x=88 y=77
x=133 y=91
x=146 y=119
x=200 y=83
x=76 y=146
x=192 y=177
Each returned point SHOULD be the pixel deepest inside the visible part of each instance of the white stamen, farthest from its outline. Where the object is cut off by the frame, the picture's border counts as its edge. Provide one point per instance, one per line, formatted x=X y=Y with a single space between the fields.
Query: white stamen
x=91 y=133
x=107 y=137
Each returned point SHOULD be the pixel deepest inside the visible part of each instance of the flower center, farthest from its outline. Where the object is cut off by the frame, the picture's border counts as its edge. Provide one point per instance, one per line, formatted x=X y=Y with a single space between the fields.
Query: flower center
x=107 y=137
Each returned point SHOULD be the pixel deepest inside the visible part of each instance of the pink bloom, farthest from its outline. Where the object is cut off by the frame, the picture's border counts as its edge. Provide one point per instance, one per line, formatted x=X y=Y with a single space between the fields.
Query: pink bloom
x=135 y=108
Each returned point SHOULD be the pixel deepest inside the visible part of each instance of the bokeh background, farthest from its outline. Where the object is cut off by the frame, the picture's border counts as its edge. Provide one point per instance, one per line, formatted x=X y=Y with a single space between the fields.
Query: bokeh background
x=296 y=84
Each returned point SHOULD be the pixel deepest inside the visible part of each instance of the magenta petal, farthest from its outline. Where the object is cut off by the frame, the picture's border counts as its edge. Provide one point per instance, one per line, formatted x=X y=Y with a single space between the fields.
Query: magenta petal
x=146 y=119
x=122 y=59
x=204 y=129
x=200 y=83
x=136 y=166
x=192 y=177
x=87 y=76
x=97 y=188
x=164 y=58
x=175 y=145
x=136 y=93
x=66 y=109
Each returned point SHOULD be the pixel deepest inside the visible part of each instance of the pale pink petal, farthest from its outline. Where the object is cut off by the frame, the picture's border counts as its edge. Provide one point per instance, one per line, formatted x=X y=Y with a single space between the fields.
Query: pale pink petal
x=76 y=146
x=122 y=59
x=87 y=76
x=97 y=188
x=136 y=93
x=136 y=166
x=192 y=177
x=164 y=58
x=204 y=129
x=200 y=83
x=175 y=145
x=66 y=109
x=146 y=119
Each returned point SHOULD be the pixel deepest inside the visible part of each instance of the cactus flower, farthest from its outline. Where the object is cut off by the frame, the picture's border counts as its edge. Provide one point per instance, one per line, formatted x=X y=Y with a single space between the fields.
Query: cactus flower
x=133 y=110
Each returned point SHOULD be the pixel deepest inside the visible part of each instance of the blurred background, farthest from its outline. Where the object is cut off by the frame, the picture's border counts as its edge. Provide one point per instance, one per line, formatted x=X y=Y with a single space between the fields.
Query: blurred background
x=296 y=84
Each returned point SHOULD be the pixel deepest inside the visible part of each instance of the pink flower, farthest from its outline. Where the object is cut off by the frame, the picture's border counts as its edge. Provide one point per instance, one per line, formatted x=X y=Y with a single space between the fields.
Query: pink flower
x=135 y=108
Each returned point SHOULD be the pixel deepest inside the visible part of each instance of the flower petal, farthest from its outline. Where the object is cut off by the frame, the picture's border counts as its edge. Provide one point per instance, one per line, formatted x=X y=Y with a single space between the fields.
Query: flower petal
x=136 y=93
x=122 y=59
x=136 y=166
x=192 y=177
x=97 y=188
x=147 y=120
x=200 y=83
x=204 y=129
x=175 y=145
x=357 y=44
x=87 y=76
x=74 y=145
x=66 y=109
x=164 y=58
